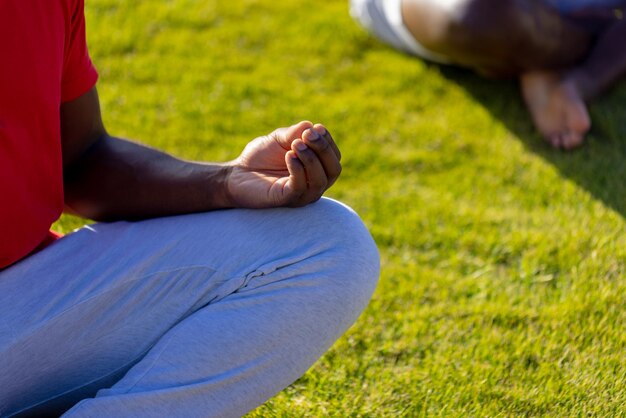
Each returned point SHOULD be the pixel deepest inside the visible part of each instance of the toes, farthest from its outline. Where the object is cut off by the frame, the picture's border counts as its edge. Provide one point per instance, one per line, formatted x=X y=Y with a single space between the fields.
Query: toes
x=554 y=140
x=566 y=140
x=572 y=140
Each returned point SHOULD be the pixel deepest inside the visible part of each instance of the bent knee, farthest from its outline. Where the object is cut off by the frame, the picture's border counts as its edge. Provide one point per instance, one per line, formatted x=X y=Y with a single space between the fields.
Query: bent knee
x=351 y=251
x=342 y=228
x=505 y=37
x=475 y=23
x=473 y=33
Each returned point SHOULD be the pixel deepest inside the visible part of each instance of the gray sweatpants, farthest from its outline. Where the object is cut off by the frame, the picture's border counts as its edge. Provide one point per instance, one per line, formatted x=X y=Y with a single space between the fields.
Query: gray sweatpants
x=204 y=315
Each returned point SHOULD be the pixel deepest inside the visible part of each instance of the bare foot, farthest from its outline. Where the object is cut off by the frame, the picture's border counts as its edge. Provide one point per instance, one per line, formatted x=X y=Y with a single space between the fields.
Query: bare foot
x=557 y=108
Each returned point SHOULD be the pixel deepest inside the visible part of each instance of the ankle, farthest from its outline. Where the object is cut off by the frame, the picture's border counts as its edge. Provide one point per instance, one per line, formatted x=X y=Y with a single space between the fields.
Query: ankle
x=579 y=80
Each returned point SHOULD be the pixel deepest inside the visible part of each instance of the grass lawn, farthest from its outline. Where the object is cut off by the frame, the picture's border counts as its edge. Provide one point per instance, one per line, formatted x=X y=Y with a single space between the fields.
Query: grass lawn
x=502 y=290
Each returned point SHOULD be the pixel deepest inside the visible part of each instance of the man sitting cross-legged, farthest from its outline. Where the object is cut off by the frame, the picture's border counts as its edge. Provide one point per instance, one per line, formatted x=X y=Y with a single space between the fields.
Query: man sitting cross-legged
x=171 y=307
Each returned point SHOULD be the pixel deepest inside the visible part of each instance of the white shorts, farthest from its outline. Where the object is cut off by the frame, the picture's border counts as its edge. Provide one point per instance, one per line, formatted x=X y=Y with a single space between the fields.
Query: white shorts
x=383 y=19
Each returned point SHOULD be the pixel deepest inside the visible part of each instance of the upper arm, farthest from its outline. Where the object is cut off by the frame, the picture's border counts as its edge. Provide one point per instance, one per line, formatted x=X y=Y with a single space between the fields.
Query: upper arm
x=81 y=126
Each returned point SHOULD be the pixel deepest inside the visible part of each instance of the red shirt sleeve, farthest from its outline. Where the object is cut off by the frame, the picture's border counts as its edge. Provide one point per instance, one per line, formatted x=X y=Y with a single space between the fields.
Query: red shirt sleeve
x=79 y=74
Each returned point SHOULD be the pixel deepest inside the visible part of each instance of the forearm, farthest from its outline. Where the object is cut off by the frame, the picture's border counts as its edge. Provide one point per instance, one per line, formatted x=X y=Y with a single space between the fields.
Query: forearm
x=117 y=179
x=605 y=65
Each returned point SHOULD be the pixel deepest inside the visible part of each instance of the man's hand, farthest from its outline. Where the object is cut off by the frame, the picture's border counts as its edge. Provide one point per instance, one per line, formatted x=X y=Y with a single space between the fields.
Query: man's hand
x=291 y=166
x=108 y=178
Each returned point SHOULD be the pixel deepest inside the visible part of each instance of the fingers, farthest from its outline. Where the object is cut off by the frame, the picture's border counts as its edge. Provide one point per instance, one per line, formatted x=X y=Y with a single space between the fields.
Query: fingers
x=285 y=136
x=322 y=144
x=296 y=185
x=316 y=179
x=321 y=130
x=313 y=163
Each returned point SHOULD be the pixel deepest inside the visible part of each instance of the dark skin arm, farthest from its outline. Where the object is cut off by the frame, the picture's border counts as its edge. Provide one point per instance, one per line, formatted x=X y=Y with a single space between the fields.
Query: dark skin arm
x=108 y=178
x=605 y=65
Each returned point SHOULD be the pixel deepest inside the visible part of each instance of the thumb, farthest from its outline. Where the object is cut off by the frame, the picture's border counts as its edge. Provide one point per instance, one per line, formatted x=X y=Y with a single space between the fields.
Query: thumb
x=285 y=136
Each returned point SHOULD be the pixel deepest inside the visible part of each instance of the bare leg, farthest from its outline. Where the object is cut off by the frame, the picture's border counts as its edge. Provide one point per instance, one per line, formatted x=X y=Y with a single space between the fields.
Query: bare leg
x=497 y=38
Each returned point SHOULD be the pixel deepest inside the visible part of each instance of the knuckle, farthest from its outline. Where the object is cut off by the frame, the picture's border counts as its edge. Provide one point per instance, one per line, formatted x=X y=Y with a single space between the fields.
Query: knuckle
x=333 y=172
x=293 y=201
x=336 y=171
x=315 y=198
x=274 y=137
x=319 y=186
x=297 y=203
x=308 y=156
x=322 y=145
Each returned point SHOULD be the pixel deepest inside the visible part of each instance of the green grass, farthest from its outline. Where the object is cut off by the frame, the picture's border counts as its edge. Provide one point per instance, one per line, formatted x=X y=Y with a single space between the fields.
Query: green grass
x=502 y=290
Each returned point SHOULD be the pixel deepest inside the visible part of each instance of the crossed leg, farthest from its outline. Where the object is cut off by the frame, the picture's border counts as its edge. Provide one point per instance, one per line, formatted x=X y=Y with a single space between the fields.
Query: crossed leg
x=197 y=315
x=528 y=39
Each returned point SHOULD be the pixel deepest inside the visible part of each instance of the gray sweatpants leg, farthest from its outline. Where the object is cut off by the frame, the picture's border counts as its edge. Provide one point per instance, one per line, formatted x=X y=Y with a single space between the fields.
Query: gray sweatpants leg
x=204 y=315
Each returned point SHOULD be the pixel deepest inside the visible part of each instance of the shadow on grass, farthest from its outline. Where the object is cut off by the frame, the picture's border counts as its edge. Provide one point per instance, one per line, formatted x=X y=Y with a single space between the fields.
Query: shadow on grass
x=599 y=166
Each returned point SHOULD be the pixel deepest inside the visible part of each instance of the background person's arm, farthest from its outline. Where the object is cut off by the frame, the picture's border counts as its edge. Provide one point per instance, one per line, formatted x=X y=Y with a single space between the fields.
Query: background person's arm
x=108 y=178
x=605 y=64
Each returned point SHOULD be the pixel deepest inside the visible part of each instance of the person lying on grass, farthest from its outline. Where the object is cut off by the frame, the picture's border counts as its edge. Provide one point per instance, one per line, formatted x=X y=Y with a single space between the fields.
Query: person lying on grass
x=172 y=307
x=564 y=52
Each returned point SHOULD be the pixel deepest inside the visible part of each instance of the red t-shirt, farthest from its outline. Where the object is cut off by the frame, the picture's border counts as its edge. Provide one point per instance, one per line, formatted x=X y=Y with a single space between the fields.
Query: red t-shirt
x=43 y=63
